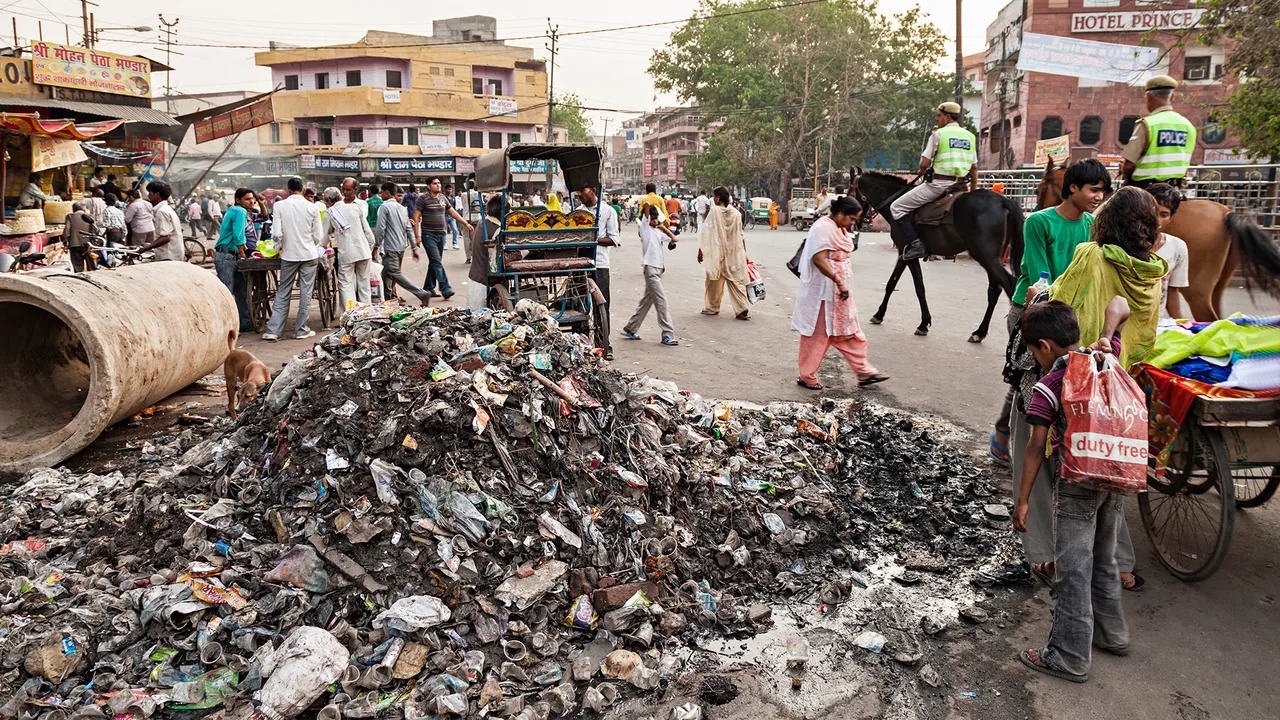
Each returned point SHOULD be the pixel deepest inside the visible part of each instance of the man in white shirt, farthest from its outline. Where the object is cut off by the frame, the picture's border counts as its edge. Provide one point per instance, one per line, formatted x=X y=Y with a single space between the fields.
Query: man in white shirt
x=606 y=237
x=701 y=206
x=299 y=237
x=653 y=232
x=1173 y=249
x=99 y=177
x=213 y=224
x=138 y=215
x=349 y=227
x=168 y=228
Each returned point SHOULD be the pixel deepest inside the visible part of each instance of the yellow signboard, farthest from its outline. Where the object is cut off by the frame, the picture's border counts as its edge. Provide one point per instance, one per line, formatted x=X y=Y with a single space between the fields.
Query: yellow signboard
x=47 y=152
x=75 y=67
x=15 y=76
x=1058 y=149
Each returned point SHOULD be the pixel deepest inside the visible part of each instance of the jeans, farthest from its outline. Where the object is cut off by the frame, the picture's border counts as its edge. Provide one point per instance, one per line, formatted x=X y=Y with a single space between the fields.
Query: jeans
x=1011 y=322
x=224 y=263
x=1086 y=582
x=434 y=243
x=353 y=283
x=601 y=276
x=391 y=276
x=305 y=273
x=453 y=228
x=654 y=296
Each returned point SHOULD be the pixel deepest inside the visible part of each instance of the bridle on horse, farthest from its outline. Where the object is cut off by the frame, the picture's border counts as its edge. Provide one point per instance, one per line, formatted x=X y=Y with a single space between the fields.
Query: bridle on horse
x=871 y=211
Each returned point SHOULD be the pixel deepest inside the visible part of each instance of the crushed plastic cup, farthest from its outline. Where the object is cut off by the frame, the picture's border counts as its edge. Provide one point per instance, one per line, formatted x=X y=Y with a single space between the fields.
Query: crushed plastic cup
x=797 y=651
x=870 y=640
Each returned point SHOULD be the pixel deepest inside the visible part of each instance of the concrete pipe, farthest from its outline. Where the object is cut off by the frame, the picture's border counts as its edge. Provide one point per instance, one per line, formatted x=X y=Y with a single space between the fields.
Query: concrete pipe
x=85 y=351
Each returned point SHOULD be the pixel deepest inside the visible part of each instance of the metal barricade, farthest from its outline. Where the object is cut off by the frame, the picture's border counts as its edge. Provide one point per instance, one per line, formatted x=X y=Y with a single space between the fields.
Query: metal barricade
x=1018 y=185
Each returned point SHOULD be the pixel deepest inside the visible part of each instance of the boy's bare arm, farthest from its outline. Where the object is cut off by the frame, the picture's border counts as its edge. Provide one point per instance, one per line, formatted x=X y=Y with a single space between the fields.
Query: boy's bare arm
x=1112 y=321
x=1031 y=462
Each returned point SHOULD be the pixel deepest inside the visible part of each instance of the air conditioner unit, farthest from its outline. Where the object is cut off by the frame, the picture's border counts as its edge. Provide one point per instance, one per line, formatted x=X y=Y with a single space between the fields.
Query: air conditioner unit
x=1198 y=73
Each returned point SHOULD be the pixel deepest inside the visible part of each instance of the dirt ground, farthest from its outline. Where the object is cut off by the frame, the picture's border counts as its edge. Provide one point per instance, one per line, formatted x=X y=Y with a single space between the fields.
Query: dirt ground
x=1200 y=651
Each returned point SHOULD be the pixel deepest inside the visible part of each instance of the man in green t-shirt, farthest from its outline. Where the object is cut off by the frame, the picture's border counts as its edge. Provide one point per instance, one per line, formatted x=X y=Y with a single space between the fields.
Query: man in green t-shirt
x=1049 y=239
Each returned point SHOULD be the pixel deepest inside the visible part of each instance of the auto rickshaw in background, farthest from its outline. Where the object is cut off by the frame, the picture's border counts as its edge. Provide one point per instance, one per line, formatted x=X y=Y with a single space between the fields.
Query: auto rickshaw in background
x=758 y=210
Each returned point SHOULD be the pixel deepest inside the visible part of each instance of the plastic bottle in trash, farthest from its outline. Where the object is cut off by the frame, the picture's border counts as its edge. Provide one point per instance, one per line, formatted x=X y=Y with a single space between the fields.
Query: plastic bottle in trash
x=797 y=651
x=1042 y=284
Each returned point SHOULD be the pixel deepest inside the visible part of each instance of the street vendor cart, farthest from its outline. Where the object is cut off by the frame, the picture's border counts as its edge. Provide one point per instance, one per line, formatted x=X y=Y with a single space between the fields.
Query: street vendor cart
x=262 y=278
x=541 y=254
x=1222 y=453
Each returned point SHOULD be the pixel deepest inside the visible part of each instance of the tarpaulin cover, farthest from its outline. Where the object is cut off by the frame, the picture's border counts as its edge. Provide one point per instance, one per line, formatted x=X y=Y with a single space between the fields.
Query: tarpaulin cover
x=32 y=124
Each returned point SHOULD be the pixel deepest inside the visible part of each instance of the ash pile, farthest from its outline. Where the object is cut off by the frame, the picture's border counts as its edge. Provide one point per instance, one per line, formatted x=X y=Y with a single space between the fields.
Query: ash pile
x=455 y=514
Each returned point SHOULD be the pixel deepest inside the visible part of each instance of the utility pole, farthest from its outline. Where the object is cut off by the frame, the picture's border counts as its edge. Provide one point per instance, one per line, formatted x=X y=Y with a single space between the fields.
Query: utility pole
x=959 y=56
x=168 y=28
x=1004 y=34
x=84 y=16
x=554 y=32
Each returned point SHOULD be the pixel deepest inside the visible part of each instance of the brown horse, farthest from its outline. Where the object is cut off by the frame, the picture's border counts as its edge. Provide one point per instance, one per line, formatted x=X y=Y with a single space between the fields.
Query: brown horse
x=1218 y=240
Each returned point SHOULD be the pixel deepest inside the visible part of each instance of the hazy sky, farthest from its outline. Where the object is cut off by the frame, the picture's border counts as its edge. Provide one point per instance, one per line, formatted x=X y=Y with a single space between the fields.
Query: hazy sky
x=605 y=69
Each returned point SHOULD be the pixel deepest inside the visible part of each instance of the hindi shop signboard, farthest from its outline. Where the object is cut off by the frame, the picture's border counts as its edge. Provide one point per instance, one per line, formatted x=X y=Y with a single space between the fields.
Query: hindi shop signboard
x=81 y=68
x=1057 y=149
x=416 y=164
x=1136 y=20
x=502 y=107
x=236 y=121
x=1056 y=55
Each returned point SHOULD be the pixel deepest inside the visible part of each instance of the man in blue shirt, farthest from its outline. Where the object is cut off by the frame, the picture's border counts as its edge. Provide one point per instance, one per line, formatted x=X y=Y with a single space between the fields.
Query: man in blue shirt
x=229 y=250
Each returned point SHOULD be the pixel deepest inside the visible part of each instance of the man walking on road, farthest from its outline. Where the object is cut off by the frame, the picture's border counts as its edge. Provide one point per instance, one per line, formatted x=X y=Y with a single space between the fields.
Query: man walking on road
x=429 y=226
x=606 y=237
x=348 y=223
x=298 y=236
x=701 y=207
x=395 y=234
x=168 y=228
x=653 y=232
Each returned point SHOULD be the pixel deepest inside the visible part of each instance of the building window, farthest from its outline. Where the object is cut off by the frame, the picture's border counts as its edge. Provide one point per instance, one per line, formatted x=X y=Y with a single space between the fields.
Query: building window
x=529 y=79
x=275 y=133
x=393 y=78
x=495 y=140
x=355 y=135
x=513 y=138
x=395 y=136
x=304 y=137
x=322 y=81
x=435 y=70
x=411 y=136
x=477 y=139
x=448 y=72
x=290 y=82
x=1197 y=68
x=1127 y=124
x=495 y=87
x=1017 y=121
x=326 y=136
x=1090 y=130
x=477 y=86
x=460 y=138
x=1050 y=127
x=353 y=78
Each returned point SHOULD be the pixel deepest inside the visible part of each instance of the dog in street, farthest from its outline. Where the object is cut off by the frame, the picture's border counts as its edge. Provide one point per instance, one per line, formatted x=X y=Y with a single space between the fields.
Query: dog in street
x=245 y=374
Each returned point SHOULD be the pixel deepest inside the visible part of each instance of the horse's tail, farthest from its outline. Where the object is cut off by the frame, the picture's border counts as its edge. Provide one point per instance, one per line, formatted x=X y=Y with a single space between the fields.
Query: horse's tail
x=1013 y=235
x=1258 y=253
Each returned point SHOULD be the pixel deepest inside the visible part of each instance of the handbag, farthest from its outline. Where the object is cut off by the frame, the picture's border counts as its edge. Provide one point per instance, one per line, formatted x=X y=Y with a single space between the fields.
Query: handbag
x=755 y=284
x=794 y=263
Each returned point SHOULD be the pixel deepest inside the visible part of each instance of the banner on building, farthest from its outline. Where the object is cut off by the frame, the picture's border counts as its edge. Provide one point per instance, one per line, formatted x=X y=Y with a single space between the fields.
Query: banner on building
x=47 y=152
x=648 y=164
x=533 y=167
x=1058 y=55
x=280 y=167
x=433 y=127
x=390 y=96
x=502 y=107
x=336 y=162
x=673 y=162
x=76 y=67
x=1136 y=20
x=432 y=144
x=236 y=121
x=15 y=76
x=465 y=165
x=1057 y=149
x=416 y=164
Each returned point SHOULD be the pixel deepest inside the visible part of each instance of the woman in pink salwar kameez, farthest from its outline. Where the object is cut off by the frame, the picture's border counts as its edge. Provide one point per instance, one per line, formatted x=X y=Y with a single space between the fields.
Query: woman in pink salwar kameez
x=824 y=313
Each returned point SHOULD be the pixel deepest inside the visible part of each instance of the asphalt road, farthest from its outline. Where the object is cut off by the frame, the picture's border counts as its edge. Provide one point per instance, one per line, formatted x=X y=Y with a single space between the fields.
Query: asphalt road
x=1203 y=650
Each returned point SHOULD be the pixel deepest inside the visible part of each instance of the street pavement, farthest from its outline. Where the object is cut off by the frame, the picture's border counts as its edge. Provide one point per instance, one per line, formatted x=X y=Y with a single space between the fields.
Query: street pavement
x=1202 y=650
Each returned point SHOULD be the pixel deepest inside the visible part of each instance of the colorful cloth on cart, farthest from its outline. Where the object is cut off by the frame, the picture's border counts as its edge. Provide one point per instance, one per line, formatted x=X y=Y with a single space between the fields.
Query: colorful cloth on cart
x=1220 y=338
x=1169 y=398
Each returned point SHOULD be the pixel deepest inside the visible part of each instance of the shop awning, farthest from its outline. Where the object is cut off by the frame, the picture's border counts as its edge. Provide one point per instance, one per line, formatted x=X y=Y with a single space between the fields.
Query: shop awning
x=126 y=112
x=29 y=124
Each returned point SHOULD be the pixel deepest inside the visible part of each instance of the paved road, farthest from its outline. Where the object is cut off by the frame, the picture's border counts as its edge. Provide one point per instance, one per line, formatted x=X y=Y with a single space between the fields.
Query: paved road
x=1203 y=650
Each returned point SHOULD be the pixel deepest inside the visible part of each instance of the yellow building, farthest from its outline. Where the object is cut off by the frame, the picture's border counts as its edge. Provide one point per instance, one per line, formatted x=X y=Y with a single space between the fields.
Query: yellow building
x=404 y=106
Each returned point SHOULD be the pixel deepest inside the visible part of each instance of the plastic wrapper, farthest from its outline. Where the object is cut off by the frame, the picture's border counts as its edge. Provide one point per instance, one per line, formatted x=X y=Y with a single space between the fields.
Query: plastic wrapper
x=581 y=615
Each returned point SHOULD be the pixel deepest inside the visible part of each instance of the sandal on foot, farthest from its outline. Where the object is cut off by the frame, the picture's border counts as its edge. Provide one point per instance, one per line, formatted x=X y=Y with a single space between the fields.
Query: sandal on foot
x=1136 y=583
x=999 y=451
x=1032 y=659
x=807 y=386
x=744 y=315
x=710 y=312
x=670 y=341
x=872 y=379
x=629 y=335
x=1044 y=571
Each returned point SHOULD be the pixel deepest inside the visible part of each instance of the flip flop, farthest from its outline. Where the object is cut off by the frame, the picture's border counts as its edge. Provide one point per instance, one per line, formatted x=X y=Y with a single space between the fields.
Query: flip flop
x=1038 y=569
x=744 y=315
x=1039 y=665
x=872 y=380
x=1137 y=585
x=998 y=452
x=708 y=312
x=807 y=386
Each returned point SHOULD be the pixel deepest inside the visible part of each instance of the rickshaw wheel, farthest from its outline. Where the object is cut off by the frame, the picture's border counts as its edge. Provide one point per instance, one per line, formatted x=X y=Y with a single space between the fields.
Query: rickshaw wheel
x=1254 y=486
x=259 y=297
x=500 y=299
x=327 y=296
x=1190 y=527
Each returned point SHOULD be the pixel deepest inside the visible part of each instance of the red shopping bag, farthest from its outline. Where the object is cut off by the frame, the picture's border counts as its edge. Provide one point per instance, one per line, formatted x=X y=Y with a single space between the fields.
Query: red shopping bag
x=1105 y=444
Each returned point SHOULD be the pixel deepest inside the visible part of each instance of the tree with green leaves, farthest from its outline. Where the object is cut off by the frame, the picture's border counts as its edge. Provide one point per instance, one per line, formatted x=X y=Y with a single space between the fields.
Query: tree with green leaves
x=1252 y=110
x=567 y=111
x=781 y=80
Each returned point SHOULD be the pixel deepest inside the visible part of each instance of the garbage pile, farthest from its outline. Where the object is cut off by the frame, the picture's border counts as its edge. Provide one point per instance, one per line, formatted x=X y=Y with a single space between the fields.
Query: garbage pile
x=456 y=514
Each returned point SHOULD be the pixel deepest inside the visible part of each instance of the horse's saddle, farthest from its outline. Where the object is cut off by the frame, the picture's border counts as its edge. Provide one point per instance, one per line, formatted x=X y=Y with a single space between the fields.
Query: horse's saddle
x=937 y=212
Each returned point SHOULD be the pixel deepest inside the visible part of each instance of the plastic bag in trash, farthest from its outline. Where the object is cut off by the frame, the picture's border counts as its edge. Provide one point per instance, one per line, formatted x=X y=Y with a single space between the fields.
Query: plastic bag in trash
x=308 y=661
x=410 y=614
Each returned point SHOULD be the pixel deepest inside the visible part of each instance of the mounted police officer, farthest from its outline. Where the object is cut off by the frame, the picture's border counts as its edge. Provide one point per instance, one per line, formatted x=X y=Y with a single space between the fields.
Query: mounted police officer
x=1162 y=143
x=951 y=154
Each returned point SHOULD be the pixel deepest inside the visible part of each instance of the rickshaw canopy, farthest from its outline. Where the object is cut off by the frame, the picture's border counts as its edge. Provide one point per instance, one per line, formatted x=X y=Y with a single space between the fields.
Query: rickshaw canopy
x=580 y=163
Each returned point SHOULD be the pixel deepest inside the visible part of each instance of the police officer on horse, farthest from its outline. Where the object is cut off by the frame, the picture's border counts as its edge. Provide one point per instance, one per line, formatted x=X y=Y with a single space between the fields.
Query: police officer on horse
x=951 y=155
x=1162 y=143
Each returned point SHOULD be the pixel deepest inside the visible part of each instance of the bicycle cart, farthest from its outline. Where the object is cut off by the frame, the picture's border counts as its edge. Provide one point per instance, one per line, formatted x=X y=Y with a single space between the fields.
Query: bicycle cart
x=262 y=277
x=545 y=255
x=1225 y=455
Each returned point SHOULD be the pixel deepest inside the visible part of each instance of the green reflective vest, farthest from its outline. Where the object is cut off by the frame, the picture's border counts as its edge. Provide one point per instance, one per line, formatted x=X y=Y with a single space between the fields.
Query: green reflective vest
x=957 y=151
x=1171 y=139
